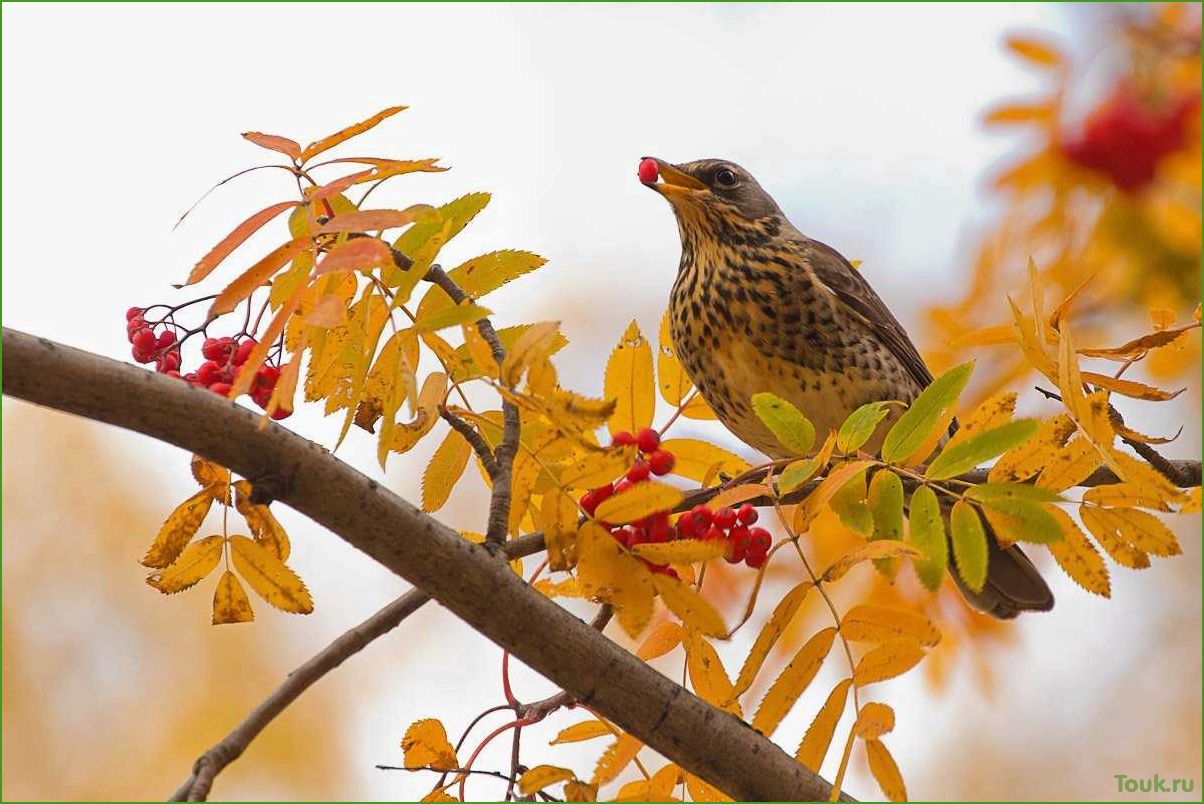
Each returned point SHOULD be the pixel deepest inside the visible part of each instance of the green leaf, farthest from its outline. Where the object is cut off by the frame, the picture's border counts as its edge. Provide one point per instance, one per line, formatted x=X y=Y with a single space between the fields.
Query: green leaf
x=974 y=450
x=481 y=275
x=885 y=499
x=860 y=425
x=796 y=474
x=849 y=504
x=917 y=421
x=928 y=536
x=969 y=544
x=994 y=492
x=1020 y=520
x=449 y=317
x=793 y=430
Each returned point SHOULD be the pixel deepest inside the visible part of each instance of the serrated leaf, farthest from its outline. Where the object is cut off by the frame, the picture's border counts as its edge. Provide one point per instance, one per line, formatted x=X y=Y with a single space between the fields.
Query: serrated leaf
x=866 y=623
x=850 y=505
x=922 y=417
x=738 y=494
x=1120 y=550
x=885 y=500
x=326 y=143
x=993 y=412
x=1069 y=465
x=664 y=638
x=685 y=551
x=207 y=473
x=1143 y=531
x=542 y=776
x=817 y=740
x=615 y=759
x=859 y=427
x=452 y=316
x=789 y=426
x=700 y=460
x=690 y=607
x=230 y=603
x=707 y=674
x=873 y=720
x=269 y=577
x=596 y=468
x=674 y=383
x=969 y=544
x=1127 y=495
x=178 y=530
x=927 y=534
x=1016 y=520
x=480 y=352
x=1006 y=492
x=638 y=502
x=198 y=560
x=480 y=276
x=885 y=771
x=771 y=632
x=578 y=732
x=972 y=451
x=817 y=500
x=425 y=745
x=875 y=550
x=558 y=518
x=235 y=239
x=792 y=682
x=701 y=790
x=1078 y=558
x=535 y=342
x=444 y=470
x=888 y=660
x=607 y=573
x=629 y=381
x=1030 y=457
x=374 y=220
x=796 y=474
x=361 y=254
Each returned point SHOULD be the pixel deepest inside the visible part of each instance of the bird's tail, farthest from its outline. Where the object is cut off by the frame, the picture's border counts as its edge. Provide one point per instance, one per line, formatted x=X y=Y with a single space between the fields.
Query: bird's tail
x=1013 y=584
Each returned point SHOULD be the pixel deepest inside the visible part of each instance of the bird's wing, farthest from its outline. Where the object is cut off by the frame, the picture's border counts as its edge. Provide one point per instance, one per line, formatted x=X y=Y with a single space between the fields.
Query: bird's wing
x=852 y=290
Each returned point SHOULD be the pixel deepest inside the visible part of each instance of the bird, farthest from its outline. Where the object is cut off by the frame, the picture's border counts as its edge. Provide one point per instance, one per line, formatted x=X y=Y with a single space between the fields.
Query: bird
x=759 y=306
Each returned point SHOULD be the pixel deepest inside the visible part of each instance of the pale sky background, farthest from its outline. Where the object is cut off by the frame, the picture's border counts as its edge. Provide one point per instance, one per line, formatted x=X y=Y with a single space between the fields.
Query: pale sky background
x=862 y=121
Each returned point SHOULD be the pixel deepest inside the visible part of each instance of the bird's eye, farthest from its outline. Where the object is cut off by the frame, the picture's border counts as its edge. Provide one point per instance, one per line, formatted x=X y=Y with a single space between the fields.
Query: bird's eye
x=726 y=178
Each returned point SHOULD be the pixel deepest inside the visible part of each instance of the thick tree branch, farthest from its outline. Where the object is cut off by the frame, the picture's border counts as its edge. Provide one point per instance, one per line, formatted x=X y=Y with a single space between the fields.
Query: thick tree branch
x=462 y=576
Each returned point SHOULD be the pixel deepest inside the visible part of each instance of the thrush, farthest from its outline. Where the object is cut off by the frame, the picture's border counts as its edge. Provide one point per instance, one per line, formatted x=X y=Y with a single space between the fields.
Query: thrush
x=759 y=306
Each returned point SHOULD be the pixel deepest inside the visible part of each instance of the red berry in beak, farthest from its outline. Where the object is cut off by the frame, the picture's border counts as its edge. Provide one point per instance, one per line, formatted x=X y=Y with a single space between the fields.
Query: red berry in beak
x=648 y=171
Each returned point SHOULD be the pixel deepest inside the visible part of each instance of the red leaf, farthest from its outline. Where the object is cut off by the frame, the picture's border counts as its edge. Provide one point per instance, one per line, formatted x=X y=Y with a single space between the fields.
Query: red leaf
x=370 y=220
x=361 y=253
x=272 y=142
x=255 y=276
x=339 y=185
x=235 y=239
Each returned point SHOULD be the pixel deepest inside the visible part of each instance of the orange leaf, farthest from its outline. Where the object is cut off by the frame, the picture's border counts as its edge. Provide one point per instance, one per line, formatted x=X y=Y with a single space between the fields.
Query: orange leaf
x=235 y=239
x=426 y=746
x=818 y=739
x=690 y=607
x=585 y=730
x=885 y=771
x=664 y=638
x=882 y=624
x=1013 y=113
x=254 y=277
x=198 y=560
x=792 y=682
x=326 y=143
x=337 y=186
x=268 y=576
x=881 y=548
x=179 y=529
x=230 y=603
x=775 y=626
x=273 y=142
x=1078 y=558
x=362 y=253
x=888 y=660
x=874 y=720
x=1041 y=54
x=707 y=674
x=617 y=757
x=371 y=220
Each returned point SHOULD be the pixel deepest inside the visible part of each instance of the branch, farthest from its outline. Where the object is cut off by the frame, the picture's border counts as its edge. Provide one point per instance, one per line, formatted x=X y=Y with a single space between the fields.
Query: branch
x=462 y=576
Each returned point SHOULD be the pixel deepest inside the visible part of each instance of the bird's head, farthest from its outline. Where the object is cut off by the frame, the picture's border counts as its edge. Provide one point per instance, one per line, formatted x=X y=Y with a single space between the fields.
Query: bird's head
x=709 y=191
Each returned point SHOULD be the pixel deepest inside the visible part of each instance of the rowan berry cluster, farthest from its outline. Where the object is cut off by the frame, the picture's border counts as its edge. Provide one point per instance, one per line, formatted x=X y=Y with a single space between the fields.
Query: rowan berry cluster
x=222 y=359
x=745 y=544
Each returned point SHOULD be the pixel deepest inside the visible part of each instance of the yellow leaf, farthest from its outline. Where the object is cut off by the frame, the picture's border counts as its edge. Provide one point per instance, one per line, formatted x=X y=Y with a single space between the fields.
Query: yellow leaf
x=542 y=776
x=479 y=350
x=439 y=794
x=860 y=426
x=628 y=381
x=738 y=494
x=1192 y=504
x=664 y=638
x=558 y=518
x=881 y=548
x=580 y=791
x=426 y=746
x=1146 y=532
x=1121 y=551
x=775 y=626
x=874 y=720
x=792 y=682
x=686 y=551
x=1034 y=51
x=881 y=624
x=699 y=460
x=885 y=771
x=1078 y=558
x=178 y=530
x=606 y=572
x=1030 y=457
x=444 y=470
x=207 y=473
x=690 y=607
x=597 y=468
x=455 y=316
x=585 y=730
x=230 y=604
x=888 y=660
x=638 y=502
x=1069 y=465
x=326 y=143
x=967 y=453
x=198 y=560
x=834 y=482
x=703 y=791
x=698 y=409
x=1130 y=388
x=616 y=757
x=818 y=739
x=479 y=276
x=707 y=675
x=672 y=377
x=262 y=522
x=269 y=577
x=537 y=341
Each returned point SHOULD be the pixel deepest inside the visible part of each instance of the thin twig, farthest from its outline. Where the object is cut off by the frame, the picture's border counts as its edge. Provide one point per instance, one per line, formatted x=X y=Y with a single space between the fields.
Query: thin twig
x=474 y=438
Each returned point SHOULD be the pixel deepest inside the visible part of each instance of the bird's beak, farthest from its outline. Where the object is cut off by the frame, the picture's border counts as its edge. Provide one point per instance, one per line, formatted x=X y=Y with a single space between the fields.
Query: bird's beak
x=672 y=181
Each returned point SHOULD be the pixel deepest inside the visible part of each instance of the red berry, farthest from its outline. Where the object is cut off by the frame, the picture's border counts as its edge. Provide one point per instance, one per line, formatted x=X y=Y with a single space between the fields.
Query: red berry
x=243 y=351
x=713 y=534
x=218 y=349
x=725 y=518
x=736 y=551
x=623 y=485
x=141 y=356
x=701 y=516
x=208 y=373
x=281 y=413
x=759 y=541
x=660 y=530
x=133 y=312
x=739 y=537
x=143 y=340
x=173 y=373
x=191 y=378
x=648 y=171
x=591 y=498
x=661 y=462
x=685 y=527
x=756 y=560
x=168 y=362
x=166 y=338
x=220 y=388
x=648 y=440
x=622 y=439
x=135 y=323
x=261 y=397
x=747 y=514
x=621 y=535
x=639 y=472
x=636 y=536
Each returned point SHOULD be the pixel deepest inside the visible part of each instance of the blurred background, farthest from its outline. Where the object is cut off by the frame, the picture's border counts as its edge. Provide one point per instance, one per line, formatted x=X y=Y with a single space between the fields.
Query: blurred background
x=871 y=126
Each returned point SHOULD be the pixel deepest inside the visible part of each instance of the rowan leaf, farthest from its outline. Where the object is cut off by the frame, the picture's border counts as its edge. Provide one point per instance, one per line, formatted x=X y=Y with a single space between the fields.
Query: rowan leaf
x=558 y=518
x=707 y=674
x=685 y=551
x=535 y=342
x=1120 y=550
x=1029 y=458
x=969 y=544
x=888 y=660
x=691 y=608
x=664 y=638
x=269 y=577
x=927 y=534
x=874 y=720
x=1078 y=558
x=615 y=759
x=885 y=500
x=326 y=143
x=817 y=740
x=1034 y=51
x=481 y=275
x=875 y=550
x=1130 y=388
x=1020 y=519
x=818 y=499
x=1009 y=492
x=577 y=790
x=866 y=623
x=674 y=383
x=1069 y=465
x=789 y=426
x=422 y=241
x=230 y=603
x=792 y=682
x=738 y=494
x=885 y=771
x=993 y=412
x=178 y=530
x=450 y=317
x=263 y=524
x=360 y=254
x=1191 y=503
x=444 y=470
x=585 y=730
x=207 y=473
x=771 y=632
x=697 y=408
x=1144 y=531
x=198 y=560
x=972 y=451
x=638 y=502
x=859 y=427
x=542 y=776
x=700 y=460
x=608 y=573
x=701 y=790
x=922 y=417
x=274 y=142
x=596 y=468
x=425 y=745
x=480 y=352
x=374 y=220
x=235 y=239
x=628 y=380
